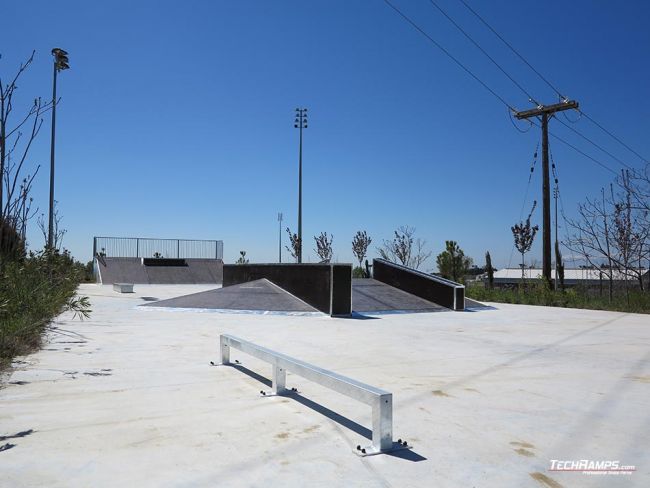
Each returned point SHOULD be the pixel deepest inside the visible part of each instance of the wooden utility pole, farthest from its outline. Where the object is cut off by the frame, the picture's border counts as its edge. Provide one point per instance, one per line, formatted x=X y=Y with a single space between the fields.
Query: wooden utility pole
x=545 y=112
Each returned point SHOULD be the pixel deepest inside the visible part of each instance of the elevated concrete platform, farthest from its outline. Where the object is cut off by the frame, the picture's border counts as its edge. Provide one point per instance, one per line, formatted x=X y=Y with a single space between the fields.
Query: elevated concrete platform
x=133 y=270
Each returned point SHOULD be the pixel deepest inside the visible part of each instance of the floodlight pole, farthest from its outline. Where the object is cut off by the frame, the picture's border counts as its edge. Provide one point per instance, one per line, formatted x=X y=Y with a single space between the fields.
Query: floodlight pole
x=280 y=237
x=60 y=63
x=300 y=123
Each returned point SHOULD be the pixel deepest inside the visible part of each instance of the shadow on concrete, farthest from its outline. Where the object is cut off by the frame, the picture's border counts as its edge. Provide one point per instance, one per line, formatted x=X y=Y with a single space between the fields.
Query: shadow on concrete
x=24 y=433
x=7 y=446
x=408 y=455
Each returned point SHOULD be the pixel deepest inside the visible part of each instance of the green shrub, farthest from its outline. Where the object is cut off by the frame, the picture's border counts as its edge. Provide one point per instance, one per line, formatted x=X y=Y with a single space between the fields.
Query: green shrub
x=33 y=290
x=359 y=272
x=539 y=293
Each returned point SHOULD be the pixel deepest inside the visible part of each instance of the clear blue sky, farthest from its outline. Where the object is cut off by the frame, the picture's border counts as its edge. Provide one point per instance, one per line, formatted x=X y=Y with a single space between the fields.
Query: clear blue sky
x=176 y=118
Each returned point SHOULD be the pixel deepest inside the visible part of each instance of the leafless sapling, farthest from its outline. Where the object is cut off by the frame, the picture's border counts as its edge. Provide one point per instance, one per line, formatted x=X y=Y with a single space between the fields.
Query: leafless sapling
x=324 y=247
x=405 y=249
x=294 y=242
x=360 y=243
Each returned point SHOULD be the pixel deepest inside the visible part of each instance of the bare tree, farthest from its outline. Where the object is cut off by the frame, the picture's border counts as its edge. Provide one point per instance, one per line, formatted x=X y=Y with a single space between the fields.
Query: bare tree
x=524 y=235
x=294 y=241
x=324 y=247
x=591 y=236
x=15 y=204
x=360 y=243
x=57 y=231
x=405 y=248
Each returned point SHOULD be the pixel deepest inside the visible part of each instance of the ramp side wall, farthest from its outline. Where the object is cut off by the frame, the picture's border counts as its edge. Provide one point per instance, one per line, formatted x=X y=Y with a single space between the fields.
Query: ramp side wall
x=443 y=292
x=326 y=287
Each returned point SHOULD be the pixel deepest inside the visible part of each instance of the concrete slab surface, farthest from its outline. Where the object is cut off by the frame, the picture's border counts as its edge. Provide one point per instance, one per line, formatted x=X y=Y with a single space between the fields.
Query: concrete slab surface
x=488 y=399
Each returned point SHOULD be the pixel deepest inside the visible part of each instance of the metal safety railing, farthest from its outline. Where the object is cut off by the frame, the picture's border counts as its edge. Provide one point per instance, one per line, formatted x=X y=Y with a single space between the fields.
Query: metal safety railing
x=380 y=400
x=142 y=247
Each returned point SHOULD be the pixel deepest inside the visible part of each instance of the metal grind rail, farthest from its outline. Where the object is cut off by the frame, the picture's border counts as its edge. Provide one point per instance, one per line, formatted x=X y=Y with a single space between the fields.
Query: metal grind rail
x=380 y=400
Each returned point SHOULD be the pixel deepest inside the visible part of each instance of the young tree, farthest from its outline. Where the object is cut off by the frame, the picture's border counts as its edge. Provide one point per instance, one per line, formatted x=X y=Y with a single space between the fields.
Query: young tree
x=489 y=269
x=360 y=244
x=524 y=235
x=452 y=262
x=324 y=247
x=405 y=248
x=591 y=236
x=15 y=143
x=294 y=241
x=57 y=231
x=242 y=258
x=559 y=266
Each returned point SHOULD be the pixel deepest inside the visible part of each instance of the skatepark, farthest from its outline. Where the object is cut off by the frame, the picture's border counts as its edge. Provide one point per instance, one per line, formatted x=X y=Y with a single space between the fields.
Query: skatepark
x=142 y=393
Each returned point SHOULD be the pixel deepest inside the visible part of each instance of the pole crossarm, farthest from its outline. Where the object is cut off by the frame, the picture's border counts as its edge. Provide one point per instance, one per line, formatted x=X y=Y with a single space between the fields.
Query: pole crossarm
x=546 y=109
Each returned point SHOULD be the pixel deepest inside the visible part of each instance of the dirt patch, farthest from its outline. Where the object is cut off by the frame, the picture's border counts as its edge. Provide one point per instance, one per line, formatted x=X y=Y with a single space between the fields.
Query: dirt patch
x=545 y=480
x=439 y=393
x=523 y=452
x=311 y=429
x=282 y=435
x=640 y=379
x=522 y=444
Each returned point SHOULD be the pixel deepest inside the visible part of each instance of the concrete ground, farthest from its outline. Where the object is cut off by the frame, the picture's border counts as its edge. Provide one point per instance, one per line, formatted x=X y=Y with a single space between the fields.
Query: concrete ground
x=487 y=398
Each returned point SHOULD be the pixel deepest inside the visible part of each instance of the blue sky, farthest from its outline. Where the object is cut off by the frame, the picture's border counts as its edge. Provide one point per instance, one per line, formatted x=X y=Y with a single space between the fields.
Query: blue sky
x=176 y=118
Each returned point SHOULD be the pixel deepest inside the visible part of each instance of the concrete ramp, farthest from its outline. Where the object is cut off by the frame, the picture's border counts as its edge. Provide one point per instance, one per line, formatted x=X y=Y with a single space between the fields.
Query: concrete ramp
x=370 y=295
x=158 y=271
x=255 y=296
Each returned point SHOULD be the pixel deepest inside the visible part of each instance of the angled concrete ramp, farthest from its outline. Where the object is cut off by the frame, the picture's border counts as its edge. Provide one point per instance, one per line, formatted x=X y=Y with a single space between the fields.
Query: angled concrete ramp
x=370 y=295
x=259 y=295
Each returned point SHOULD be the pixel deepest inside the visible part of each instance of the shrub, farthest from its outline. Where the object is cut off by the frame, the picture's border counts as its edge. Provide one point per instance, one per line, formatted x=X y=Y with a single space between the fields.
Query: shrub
x=34 y=290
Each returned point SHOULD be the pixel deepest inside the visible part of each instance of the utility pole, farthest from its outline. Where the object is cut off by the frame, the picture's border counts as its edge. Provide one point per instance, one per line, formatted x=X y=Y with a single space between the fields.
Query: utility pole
x=556 y=194
x=280 y=237
x=60 y=63
x=300 y=123
x=545 y=112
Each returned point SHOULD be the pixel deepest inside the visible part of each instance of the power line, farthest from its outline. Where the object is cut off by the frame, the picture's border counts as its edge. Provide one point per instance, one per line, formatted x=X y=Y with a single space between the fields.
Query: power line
x=599 y=163
x=522 y=58
x=496 y=95
x=645 y=160
x=478 y=46
x=596 y=145
x=454 y=59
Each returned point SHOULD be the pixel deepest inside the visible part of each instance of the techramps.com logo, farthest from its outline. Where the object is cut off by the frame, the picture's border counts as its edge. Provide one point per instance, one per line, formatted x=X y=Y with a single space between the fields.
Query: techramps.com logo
x=590 y=466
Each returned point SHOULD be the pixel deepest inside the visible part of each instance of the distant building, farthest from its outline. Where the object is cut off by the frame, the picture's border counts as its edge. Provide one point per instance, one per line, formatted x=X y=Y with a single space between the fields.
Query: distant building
x=572 y=277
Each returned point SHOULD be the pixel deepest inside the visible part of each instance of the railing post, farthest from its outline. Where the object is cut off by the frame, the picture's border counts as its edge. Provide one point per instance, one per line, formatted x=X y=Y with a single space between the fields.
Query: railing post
x=382 y=422
x=225 y=351
x=279 y=380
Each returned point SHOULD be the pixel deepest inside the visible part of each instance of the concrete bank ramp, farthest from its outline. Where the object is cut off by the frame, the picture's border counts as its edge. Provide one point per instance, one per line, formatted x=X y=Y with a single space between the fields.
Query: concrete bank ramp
x=158 y=271
x=255 y=296
x=370 y=295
